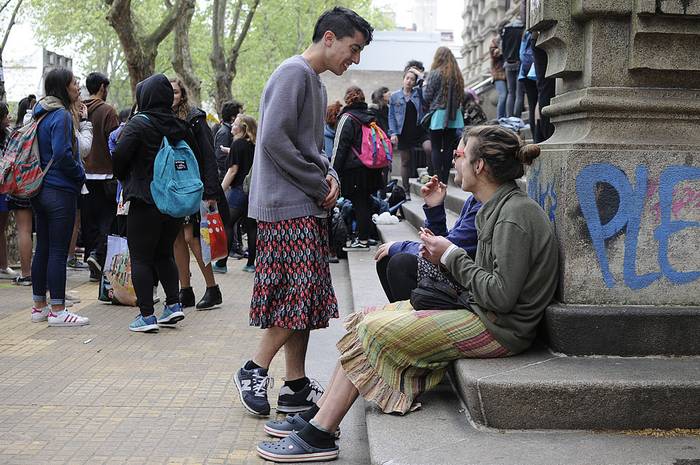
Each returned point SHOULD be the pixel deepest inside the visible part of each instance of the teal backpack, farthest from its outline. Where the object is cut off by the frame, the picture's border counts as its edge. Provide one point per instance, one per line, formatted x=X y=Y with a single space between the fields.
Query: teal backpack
x=176 y=187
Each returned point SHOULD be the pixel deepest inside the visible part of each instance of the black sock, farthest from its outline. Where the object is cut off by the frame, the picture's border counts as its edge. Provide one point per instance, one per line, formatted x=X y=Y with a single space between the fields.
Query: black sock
x=317 y=438
x=309 y=414
x=251 y=365
x=297 y=385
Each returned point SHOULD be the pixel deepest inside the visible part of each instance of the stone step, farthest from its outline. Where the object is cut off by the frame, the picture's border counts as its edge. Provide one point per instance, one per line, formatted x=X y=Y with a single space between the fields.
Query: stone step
x=454 y=201
x=413 y=212
x=539 y=390
x=441 y=433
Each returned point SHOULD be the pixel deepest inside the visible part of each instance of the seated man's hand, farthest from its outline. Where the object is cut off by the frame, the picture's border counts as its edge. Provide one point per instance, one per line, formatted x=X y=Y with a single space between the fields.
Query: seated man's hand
x=434 y=192
x=433 y=247
x=383 y=250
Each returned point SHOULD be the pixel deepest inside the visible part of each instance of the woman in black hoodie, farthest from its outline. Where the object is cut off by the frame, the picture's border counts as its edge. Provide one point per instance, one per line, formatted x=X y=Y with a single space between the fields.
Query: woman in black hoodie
x=357 y=182
x=150 y=233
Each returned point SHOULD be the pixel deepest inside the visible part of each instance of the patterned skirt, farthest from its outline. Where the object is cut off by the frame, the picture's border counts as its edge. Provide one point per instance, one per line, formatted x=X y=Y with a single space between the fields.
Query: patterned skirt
x=292 y=287
x=392 y=354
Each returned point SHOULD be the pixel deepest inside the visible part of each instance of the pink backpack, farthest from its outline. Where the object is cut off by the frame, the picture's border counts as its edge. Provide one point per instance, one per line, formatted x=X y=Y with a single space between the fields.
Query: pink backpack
x=375 y=149
x=20 y=166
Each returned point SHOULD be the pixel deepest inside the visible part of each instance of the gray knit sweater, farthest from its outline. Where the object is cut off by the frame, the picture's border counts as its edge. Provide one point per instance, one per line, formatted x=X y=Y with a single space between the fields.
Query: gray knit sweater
x=289 y=168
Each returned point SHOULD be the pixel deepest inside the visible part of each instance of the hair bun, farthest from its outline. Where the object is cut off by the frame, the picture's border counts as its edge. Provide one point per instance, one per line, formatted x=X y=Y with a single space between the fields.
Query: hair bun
x=528 y=152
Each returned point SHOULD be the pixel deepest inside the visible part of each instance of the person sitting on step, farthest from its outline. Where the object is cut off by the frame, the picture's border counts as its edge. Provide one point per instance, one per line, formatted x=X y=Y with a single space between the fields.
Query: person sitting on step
x=391 y=354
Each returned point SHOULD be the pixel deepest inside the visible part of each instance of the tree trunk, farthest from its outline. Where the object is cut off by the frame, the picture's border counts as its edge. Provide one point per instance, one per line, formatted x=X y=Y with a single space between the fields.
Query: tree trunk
x=140 y=50
x=3 y=93
x=225 y=68
x=182 y=57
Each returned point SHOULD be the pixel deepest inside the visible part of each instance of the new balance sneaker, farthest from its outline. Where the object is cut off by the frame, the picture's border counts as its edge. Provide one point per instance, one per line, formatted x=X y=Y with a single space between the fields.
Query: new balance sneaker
x=249 y=268
x=73 y=296
x=23 y=281
x=219 y=269
x=76 y=264
x=94 y=265
x=40 y=314
x=294 y=402
x=8 y=273
x=143 y=324
x=171 y=315
x=66 y=318
x=252 y=388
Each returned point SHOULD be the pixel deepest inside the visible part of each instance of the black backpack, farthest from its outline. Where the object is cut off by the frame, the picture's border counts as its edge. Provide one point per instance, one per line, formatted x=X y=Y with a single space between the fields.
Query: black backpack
x=397 y=196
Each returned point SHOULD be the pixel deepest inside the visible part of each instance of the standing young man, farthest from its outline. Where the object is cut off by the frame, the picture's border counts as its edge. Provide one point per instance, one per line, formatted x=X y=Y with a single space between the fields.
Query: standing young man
x=99 y=205
x=292 y=188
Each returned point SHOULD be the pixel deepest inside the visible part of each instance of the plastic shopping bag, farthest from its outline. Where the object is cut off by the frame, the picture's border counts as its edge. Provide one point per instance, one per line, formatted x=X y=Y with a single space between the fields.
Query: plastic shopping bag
x=212 y=234
x=118 y=271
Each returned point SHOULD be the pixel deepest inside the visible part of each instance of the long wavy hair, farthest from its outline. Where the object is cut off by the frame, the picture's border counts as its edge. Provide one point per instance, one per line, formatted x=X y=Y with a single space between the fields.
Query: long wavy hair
x=183 y=108
x=445 y=64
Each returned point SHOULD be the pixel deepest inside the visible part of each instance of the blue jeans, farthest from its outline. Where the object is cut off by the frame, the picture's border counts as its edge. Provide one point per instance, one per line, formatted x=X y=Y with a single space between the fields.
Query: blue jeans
x=55 y=216
x=502 y=89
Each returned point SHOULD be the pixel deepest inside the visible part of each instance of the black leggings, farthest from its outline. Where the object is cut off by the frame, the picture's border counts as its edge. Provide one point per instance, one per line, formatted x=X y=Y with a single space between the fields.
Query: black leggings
x=442 y=143
x=398 y=275
x=237 y=215
x=362 y=206
x=151 y=235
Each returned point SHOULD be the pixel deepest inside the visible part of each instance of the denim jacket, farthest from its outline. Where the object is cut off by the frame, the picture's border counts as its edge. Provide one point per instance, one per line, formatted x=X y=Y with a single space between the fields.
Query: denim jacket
x=397 y=110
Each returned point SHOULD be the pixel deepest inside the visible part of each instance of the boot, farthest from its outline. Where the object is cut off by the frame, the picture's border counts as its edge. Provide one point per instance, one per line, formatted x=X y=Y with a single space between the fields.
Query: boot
x=211 y=298
x=186 y=297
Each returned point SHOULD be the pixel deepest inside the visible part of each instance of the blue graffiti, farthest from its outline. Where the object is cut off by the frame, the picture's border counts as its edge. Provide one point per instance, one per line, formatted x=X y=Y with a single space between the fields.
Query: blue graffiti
x=540 y=193
x=629 y=215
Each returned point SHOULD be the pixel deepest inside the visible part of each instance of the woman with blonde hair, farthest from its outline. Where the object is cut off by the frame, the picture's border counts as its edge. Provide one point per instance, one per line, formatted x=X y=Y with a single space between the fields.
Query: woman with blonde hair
x=239 y=162
x=443 y=94
x=189 y=235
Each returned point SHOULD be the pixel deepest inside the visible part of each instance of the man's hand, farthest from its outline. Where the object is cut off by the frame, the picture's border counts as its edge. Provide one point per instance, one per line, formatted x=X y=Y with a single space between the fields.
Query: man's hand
x=224 y=149
x=211 y=205
x=434 y=192
x=433 y=247
x=332 y=196
x=83 y=112
x=395 y=140
x=383 y=250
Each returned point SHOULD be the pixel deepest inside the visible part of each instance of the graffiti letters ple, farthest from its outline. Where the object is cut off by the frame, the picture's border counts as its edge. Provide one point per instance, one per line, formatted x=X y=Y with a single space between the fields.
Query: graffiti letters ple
x=629 y=215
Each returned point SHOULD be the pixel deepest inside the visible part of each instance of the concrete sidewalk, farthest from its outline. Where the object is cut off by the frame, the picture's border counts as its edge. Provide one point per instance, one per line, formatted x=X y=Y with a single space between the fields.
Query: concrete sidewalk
x=103 y=395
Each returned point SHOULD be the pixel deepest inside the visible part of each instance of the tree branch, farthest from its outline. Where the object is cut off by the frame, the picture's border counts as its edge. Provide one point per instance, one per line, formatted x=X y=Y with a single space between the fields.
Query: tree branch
x=167 y=24
x=234 y=23
x=2 y=8
x=9 y=26
x=236 y=48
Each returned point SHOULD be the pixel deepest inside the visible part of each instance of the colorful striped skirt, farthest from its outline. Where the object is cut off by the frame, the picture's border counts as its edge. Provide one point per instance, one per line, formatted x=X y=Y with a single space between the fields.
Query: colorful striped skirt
x=392 y=354
x=292 y=287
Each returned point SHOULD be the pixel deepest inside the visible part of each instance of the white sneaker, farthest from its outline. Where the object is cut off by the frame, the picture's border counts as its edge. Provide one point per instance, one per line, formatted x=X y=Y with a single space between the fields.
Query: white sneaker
x=40 y=314
x=8 y=273
x=66 y=318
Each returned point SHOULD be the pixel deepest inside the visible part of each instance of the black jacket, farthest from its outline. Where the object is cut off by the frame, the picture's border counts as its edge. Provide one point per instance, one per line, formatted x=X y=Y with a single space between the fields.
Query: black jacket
x=348 y=136
x=208 y=169
x=224 y=138
x=141 y=138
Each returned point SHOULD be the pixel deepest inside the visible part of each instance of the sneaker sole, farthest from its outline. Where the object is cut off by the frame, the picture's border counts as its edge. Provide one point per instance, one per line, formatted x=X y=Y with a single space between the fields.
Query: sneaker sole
x=240 y=395
x=312 y=457
x=278 y=433
x=66 y=325
x=145 y=329
x=172 y=319
x=292 y=408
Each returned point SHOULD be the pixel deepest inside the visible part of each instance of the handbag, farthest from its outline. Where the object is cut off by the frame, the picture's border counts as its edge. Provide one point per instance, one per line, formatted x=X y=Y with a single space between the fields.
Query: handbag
x=434 y=295
x=426 y=120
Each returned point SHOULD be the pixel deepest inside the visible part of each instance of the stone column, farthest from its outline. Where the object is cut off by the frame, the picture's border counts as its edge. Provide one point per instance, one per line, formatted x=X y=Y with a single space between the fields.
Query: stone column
x=620 y=178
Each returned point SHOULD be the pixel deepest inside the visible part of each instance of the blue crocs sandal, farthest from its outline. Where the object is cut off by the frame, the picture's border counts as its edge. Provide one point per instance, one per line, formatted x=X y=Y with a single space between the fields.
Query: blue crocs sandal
x=291 y=424
x=293 y=449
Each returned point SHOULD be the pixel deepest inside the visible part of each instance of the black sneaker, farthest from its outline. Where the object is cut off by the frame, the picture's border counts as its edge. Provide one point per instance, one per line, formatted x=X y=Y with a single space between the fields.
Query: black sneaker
x=294 y=402
x=94 y=265
x=252 y=387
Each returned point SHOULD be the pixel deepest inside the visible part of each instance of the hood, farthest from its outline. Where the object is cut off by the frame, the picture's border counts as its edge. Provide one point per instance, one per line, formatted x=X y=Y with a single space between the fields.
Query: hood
x=359 y=110
x=154 y=96
x=488 y=215
x=93 y=103
x=196 y=113
x=47 y=105
x=328 y=131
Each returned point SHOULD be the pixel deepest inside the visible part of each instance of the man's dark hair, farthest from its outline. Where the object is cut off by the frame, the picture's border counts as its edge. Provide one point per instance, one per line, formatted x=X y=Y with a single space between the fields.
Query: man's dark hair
x=94 y=81
x=56 y=84
x=342 y=22
x=414 y=64
x=229 y=110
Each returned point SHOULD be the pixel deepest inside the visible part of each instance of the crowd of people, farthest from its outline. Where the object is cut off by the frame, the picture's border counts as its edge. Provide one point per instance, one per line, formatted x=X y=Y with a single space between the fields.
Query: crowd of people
x=477 y=290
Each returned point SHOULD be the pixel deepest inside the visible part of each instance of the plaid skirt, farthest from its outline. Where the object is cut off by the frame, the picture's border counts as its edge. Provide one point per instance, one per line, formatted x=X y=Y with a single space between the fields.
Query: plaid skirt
x=292 y=287
x=392 y=354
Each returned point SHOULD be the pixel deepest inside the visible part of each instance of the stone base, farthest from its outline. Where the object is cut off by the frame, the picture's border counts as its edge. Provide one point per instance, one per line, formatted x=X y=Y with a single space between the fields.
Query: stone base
x=623 y=331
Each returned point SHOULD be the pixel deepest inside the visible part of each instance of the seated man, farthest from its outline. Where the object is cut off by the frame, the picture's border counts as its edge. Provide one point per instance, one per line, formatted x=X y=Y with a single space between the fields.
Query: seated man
x=392 y=354
x=399 y=266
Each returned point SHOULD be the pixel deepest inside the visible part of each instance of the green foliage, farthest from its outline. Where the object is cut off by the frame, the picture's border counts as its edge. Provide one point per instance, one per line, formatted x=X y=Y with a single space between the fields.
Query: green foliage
x=280 y=29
